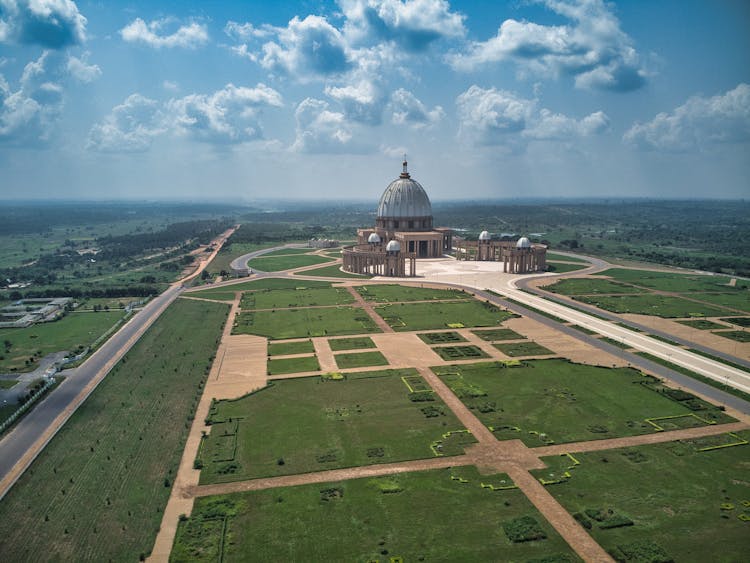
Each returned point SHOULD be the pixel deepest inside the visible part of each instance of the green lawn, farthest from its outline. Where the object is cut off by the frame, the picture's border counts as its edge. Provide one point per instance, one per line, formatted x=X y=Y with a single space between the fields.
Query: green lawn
x=361 y=359
x=286 y=298
x=736 y=335
x=702 y=324
x=514 y=349
x=279 y=263
x=355 y=343
x=668 y=281
x=556 y=256
x=287 y=348
x=420 y=516
x=739 y=300
x=739 y=321
x=312 y=424
x=567 y=402
x=469 y=352
x=300 y=323
x=585 y=286
x=651 y=304
x=266 y=283
x=427 y=316
x=680 y=494
x=333 y=271
x=288 y=251
x=216 y=294
x=98 y=489
x=293 y=365
x=7 y=384
x=498 y=334
x=441 y=337
x=73 y=330
x=562 y=267
x=394 y=293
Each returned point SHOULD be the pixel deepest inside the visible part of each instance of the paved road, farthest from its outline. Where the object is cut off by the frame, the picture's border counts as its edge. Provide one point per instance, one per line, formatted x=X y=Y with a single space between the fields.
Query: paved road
x=239 y=264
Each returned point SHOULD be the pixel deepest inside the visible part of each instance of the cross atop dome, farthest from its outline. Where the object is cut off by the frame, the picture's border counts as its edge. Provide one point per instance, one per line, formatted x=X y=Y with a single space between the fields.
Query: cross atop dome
x=404 y=172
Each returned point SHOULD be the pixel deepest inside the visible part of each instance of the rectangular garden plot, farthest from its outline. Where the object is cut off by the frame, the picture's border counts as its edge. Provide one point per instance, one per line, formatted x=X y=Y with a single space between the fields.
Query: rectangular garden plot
x=459 y=352
x=665 y=306
x=514 y=349
x=286 y=298
x=430 y=316
x=299 y=323
x=394 y=293
x=360 y=359
x=288 y=348
x=691 y=505
x=441 y=337
x=313 y=424
x=356 y=343
x=557 y=401
x=293 y=365
x=494 y=334
x=426 y=515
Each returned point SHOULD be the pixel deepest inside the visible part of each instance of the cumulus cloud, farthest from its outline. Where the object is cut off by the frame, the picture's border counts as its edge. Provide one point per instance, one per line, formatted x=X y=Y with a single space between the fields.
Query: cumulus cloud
x=130 y=127
x=592 y=48
x=698 y=123
x=499 y=117
x=363 y=102
x=53 y=24
x=408 y=110
x=246 y=31
x=320 y=130
x=154 y=34
x=412 y=24
x=227 y=116
x=81 y=70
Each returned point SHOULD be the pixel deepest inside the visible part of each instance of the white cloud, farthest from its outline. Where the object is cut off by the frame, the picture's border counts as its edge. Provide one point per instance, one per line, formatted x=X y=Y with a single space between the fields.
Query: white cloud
x=53 y=24
x=152 y=34
x=408 y=110
x=247 y=31
x=592 y=49
x=306 y=49
x=320 y=130
x=130 y=127
x=81 y=70
x=412 y=24
x=362 y=102
x=170 y=85
x=499 y=117
x=227 y=116
x=698 y=123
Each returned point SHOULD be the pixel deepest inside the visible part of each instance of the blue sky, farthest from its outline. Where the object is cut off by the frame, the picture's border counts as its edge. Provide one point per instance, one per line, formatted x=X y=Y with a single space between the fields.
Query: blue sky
x=319 y=99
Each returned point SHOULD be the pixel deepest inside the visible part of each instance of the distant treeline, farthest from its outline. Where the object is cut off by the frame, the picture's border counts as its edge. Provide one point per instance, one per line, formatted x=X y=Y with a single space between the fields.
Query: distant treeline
x=78 y=292
x=258 y=233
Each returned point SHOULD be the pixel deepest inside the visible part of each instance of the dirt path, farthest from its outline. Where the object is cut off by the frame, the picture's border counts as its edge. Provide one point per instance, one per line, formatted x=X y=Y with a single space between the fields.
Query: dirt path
x=384 y=326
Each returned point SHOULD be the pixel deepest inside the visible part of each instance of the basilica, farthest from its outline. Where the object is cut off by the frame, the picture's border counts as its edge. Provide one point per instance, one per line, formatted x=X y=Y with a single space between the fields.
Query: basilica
x=403 y=233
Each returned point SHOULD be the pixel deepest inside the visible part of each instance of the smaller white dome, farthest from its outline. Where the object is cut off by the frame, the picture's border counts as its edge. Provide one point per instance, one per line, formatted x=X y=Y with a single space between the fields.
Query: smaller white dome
x=393 y=246
x=523 y=242
x=373 y=238
x=484 y=235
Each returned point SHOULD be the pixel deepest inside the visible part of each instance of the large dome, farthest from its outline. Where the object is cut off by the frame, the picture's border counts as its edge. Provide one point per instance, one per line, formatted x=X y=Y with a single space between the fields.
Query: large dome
x=404 y=197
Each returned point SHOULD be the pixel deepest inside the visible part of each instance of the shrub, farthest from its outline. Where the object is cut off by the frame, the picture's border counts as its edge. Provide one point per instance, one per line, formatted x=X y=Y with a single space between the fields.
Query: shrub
x=523 y=529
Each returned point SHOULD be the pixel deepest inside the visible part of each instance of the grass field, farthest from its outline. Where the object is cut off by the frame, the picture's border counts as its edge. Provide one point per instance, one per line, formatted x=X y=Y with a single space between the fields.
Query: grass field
x=498 y=334
x=215 y=294
x=562 y=267
x=563 y=401
x=333 y=271
x=286 y=298
x=265 y=283
x=73 y=330
x=739 y=300
x=230 y=252
x=360 y=359
x=288 y=251
x=279 y=263
x=299 y=323
x=736 y=335
x=7 y=384
x=293 y=365
x=665 y=306
x=310 y=424
x=441 y=337
x=469 y=352
x=680 y=497
x=702 y=324
x=585 y=286
x=668 y=281
x=427 y=316
x=394 y=293
x=408 y=517
x=356 y=343
x=96 y=492
x=287 y=348
x=739 y=321
x=562 y=257
x=514 y=349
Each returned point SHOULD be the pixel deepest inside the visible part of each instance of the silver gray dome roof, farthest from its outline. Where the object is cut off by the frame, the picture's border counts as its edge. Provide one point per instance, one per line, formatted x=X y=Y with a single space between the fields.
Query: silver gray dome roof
x=523 y=242
x=404 y=197
x=373 y=238
x=393 y=246
x=484 y=235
